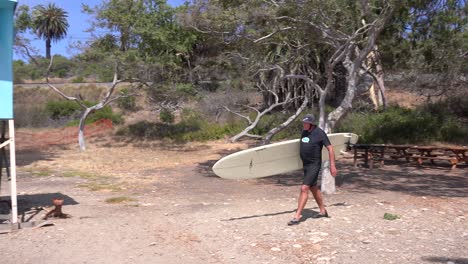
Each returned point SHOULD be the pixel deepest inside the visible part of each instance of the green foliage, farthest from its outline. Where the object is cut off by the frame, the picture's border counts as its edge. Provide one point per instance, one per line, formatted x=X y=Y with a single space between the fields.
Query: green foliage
x=151 y=43
x=166 y=116
x=127 y=102
x=79 y=79
x=192 y=127
x=405 y=126
x=388 y=216
x=195 y=127
x=104 y=113
x=23 y=71
x=185 y=90
x=60 y=109
x=428 y=37
x=62 y=67
x=70 y=109
x=20 y=73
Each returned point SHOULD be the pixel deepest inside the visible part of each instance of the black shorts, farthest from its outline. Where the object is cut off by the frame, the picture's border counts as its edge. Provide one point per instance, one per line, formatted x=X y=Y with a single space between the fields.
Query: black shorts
x=311 y=173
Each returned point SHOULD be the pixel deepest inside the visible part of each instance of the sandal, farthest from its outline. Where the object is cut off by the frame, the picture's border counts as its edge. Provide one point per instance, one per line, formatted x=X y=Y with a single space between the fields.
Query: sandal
x=321 y=215
x=294 y=221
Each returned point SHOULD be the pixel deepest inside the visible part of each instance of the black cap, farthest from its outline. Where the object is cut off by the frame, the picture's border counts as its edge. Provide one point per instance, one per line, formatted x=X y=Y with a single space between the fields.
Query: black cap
x=310 y=119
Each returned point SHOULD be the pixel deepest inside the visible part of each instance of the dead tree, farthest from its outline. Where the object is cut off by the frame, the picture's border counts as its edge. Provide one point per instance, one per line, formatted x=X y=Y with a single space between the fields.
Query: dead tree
x=377 y=89
x=267 y=138
x=350 y=50
x=259 y=115
x=108 y=98
x=354 y=58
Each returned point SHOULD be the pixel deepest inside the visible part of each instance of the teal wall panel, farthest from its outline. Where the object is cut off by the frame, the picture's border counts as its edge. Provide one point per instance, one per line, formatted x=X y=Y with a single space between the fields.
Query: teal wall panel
x=7 y=8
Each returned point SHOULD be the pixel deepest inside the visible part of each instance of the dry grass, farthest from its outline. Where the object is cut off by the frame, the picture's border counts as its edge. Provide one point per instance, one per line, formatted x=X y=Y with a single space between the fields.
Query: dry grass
x=404 y=98
x=119 y=199
x=109 y=163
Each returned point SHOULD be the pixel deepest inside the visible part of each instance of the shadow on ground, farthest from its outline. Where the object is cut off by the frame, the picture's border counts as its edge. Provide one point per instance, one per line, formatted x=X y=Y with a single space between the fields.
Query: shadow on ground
x=26 y=157
x=306 y=213
x=406 y=179
x=31 y=205
x=446 y=260
x=205 y=168
x=397 y=177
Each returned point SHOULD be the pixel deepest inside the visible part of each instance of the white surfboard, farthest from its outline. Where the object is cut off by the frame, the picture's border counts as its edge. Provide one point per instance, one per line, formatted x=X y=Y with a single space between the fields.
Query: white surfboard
x=275 y=158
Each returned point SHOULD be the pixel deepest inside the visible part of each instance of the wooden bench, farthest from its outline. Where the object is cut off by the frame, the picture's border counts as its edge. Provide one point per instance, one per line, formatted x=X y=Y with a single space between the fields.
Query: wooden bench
x=419 y=159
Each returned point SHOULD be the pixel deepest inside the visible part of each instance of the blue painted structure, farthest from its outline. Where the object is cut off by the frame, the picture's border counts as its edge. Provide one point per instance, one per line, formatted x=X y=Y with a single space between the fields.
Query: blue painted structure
x=7 y=9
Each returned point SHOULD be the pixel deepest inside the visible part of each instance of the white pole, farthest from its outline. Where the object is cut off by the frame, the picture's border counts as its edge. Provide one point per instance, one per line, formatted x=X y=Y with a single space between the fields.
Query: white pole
x=14 y=204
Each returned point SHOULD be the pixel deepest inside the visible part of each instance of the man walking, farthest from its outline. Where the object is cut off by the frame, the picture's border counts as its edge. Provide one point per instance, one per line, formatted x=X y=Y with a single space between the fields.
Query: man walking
x=312 y=141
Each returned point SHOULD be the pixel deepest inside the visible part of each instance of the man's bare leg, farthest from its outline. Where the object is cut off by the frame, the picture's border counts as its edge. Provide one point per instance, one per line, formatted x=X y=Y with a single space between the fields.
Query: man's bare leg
x=318 y=198
x=303 y=196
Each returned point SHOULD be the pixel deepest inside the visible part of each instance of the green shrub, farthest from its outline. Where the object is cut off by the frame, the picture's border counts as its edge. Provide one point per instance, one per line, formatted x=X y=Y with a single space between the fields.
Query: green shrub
x=128 y=102
x=405 y=126
x=79 y=79
x=104 y=113
x=186 y=90
x=388 y=216
x=192 y=127
x=166 y=116
x=59 y=109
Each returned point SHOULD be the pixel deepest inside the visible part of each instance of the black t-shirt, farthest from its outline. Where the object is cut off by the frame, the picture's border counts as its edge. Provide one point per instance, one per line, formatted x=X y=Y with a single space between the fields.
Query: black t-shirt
x=311 y=145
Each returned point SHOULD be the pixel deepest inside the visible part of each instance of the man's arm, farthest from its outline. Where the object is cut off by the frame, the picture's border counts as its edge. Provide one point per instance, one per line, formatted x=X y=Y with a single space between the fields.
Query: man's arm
x=331 y=155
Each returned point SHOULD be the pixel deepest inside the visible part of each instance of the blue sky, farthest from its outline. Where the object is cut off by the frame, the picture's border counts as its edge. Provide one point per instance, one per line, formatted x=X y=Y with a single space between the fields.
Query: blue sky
x=78 y=22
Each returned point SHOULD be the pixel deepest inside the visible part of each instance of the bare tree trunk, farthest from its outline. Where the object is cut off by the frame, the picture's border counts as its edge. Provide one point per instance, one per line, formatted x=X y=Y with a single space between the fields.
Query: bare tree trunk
x=380 y=80
x=81 y=137
x=345 y=105
x=48 y=47
x=377 y=89
x=282 y=126
x=328 y=181
x=322 y=112
x=373 y=97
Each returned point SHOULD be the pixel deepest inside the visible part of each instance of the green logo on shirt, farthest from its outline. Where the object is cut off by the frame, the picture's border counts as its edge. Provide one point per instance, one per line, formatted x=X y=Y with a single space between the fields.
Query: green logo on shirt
x=305 y=139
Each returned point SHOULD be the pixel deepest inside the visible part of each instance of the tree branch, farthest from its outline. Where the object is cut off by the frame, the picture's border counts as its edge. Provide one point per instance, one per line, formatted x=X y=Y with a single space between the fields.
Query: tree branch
x=272 y=33
x=71 y=98
x=305 y=78
x=238 y=114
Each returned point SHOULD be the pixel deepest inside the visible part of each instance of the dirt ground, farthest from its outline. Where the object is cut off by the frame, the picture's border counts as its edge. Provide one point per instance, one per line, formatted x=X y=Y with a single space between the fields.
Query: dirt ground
x=153 y=202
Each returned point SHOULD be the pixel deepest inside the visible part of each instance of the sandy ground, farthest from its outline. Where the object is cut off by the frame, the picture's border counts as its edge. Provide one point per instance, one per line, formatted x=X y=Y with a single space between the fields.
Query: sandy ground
x=177 y=211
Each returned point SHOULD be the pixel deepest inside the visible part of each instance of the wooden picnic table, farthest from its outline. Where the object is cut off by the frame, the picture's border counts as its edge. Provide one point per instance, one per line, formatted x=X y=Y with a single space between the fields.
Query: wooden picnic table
x=370 y=153
x=459 y=152
x=455 y=155
x=377 y=152
x=401 y=151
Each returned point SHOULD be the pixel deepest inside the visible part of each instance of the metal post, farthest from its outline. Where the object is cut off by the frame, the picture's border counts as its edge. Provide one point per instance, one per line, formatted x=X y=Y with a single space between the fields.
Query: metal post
x=14 y=203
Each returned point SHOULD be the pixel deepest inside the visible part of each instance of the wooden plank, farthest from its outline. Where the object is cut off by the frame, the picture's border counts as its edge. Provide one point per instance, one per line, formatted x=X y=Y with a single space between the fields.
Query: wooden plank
x=8 y=228
x=5 y=143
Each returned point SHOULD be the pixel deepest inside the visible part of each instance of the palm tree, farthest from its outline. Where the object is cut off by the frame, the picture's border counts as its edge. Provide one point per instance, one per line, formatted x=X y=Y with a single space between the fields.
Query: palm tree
x=50 y=23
